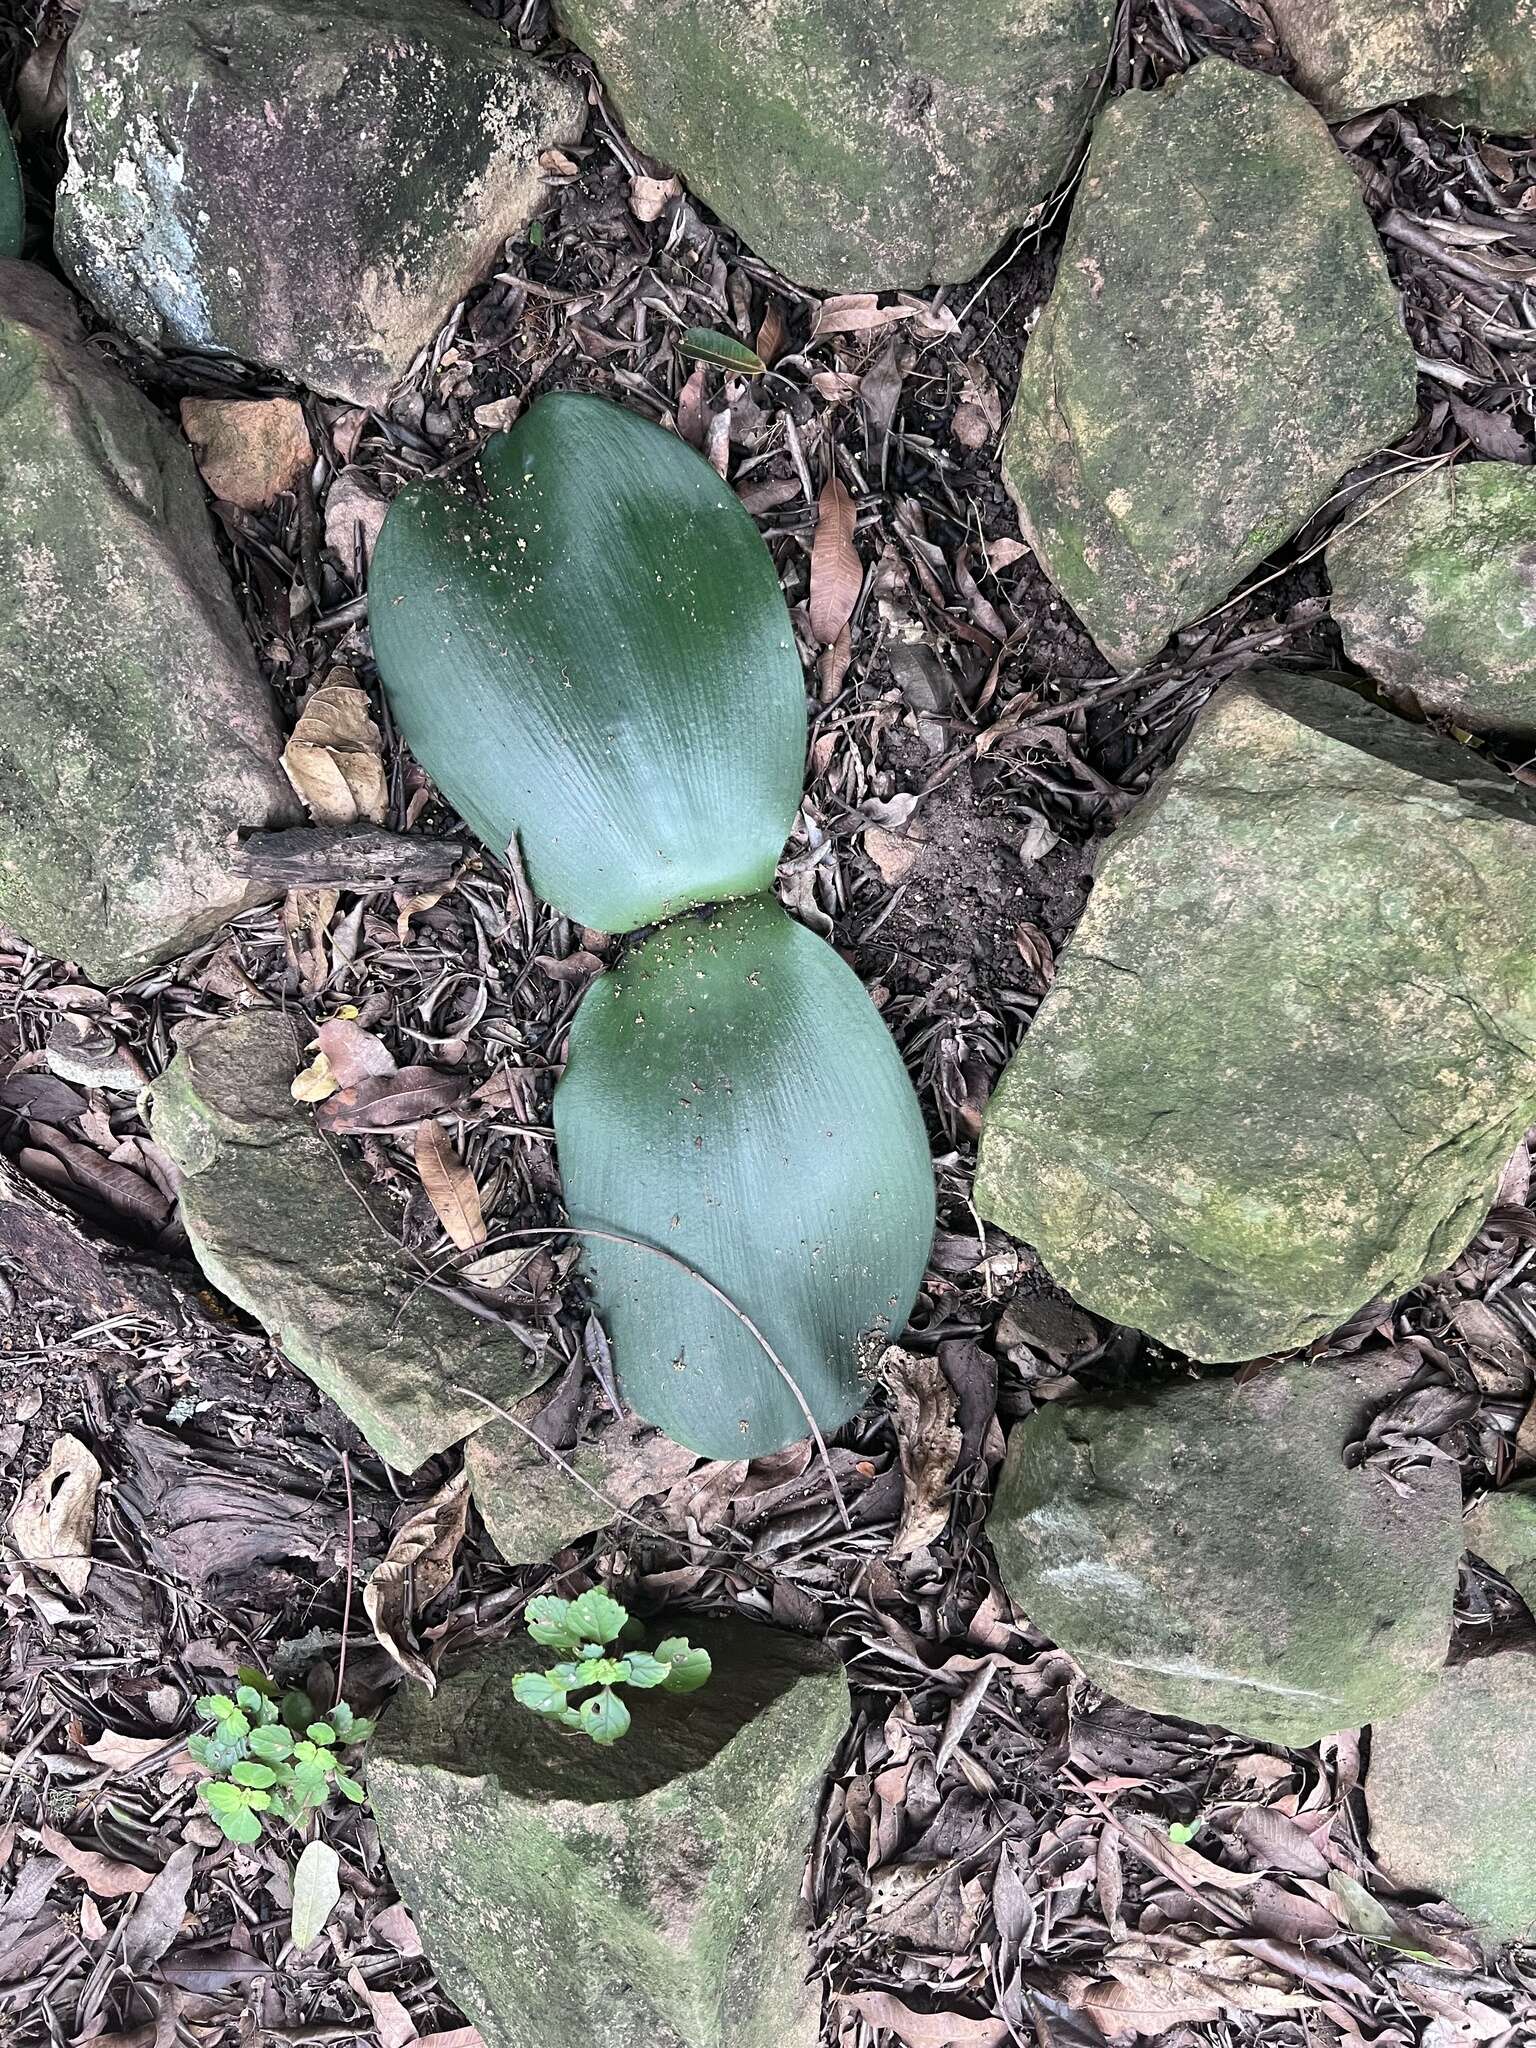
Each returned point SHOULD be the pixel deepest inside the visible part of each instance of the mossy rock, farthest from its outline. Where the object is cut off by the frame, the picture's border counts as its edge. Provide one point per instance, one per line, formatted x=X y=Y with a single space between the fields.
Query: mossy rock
x=645 y=1895
x=1434 y=591
x=1451 y=1792
x=1222 y=343
x=1501 y=1530
x=138 y=736
x=533 y=1504
x=1288 y=1051
x=278 y=1226
x=379 y=151
x=856 y=147
x=1204 y=1550
x=1475 y=60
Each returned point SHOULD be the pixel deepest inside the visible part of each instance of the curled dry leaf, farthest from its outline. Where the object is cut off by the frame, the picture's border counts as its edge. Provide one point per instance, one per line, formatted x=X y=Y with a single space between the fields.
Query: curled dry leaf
x=55 y=1519
x=450 y=1187
x=314 y=1083
x=102 y=1875
x=156 y=1919
x=354 y=1054
x=247 y=449
x=857 y=313
x=924 y=2029
x=649 y=198
x=837 y=574
x=417 y=1568
x=334 y=757
x=928 y=1439
x=389 y=1102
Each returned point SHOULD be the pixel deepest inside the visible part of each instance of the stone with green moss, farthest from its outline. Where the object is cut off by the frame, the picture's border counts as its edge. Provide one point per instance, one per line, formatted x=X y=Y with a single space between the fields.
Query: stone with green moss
x=1451 y=1792
x=644 y=1895
x=1288 y=1049
x=1222 y=343
x=138 y=737
x=1204 y=1550
x=856 y=147
x=1475 y=60
x=1501 y=1530
x=533 y=1502
x=1434 y=590
x=280 y=1227
x=308 y=186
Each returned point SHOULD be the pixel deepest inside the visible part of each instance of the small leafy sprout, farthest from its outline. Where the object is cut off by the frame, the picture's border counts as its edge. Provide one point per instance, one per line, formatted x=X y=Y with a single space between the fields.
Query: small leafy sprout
x=272 y=1758
x=591 y=1628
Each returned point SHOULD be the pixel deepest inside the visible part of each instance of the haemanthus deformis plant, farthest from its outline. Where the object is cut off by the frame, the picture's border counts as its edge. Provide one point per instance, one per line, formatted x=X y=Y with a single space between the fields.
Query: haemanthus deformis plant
x=587 y=648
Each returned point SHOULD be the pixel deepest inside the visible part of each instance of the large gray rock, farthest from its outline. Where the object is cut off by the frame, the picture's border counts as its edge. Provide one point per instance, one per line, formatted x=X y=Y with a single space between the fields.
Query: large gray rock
x=856 y=146
x=534 y=1503
x=1289 y=1047
x=1501 y=1529
x=645 y=1895
x=1452 y=1794
x=278 y=1226
x=308 y=186
x=137 y=735
x=1474 y=59
x=1203 y=1550
x=1223 y=342
x=1435 y=593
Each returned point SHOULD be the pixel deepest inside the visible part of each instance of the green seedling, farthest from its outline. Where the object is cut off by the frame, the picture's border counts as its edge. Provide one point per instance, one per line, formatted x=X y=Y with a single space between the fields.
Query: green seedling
x=579 y=1692
x=272 y=1758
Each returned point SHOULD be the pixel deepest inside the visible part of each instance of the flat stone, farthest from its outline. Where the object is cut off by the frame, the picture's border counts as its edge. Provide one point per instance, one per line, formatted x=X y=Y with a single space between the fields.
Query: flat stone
x=385 y=148
x=1203 y=1550
x=856 y=147
x=1501 y=1530
x=533 y=1505
x=1474 y=59
x=247 y=450
x=1222 y=300
x=1452 y=1794
x=138 y=735
x=1288 y=1050
x=1435 y=594
x=278 y=1226
x=645 y=1895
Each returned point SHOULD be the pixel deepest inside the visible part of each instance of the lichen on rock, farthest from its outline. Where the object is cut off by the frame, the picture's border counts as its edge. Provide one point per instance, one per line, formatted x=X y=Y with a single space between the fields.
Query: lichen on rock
x=1474 y=60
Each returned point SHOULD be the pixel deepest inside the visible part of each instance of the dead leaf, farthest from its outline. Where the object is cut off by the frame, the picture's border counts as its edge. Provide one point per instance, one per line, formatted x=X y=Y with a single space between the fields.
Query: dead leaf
x=354 y=1054
x=334 y=757
x=55 y=1519
x=453 y=2037
x=692 y=412
x=102 y=1875
x=40 y=87
x=116 y=1752
x=390 y=1102
x=417 y=1567
x=450 y=1187
x=892 y=854
x=396 y=1926
x=649 y=198
x=769 y=339
x=497 y=414
x=837 y=574
x=928 y=1438
x=314 y=1083
x=351 y=504
x=857 y=313
x=924 y=2029
x=248 y=450
x=156 y=1920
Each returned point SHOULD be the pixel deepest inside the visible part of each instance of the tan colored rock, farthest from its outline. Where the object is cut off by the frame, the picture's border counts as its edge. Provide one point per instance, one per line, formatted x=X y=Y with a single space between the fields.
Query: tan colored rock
x=1475 y=60
x=247 y=450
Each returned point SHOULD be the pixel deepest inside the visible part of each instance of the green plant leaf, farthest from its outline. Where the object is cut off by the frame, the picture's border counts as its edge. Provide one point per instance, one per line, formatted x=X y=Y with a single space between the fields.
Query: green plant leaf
x=604 y=1717
x=592 y=653
x=733 y=1098
x=298 y=1711
x=316 y=1889
x=322 y=1732
x=687 y=1668
x=13 y=204
x=541 y=1691
x=708 y=345
x=645 y=1670
x=549 y=1622
x=344 y=1783
x=258 y=1775
x=598 y=1616
x=271 y=1745
x=240 y=1824
x=258 y=1681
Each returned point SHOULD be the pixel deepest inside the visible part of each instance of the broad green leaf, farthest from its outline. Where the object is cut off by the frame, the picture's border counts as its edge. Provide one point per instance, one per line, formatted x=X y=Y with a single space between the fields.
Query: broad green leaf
x=249 y=1700
x=549 y=1621
x=604 y=1717
x=708 y=345
x=239 y=1825
x=258 y=1681
x=598 y=1615
x=259 y=1776
x=645 y=1670
x=587 y=648
x=298 y=1711
x=687 y=1668
x=541 y=1691
x=733 y=1099
x=316 y=1889
x=272 y=1745
x=322 y=1732
x=348 y=1787
x=13 y=205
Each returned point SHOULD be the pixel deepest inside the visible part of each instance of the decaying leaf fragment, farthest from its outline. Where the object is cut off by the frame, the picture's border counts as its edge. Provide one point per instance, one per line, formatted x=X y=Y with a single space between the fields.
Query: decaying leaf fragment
x=334 y=758
x=450 y=1187
x=418 y=1566
x=928 y=1439
x=55 y=1519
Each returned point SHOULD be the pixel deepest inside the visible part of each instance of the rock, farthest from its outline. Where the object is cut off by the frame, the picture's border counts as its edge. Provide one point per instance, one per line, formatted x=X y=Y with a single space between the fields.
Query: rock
x=645 y=1895
x=1288 y=1050
x=385 y=148
x=856 y=147
x=1501 y=1529
x=138 y=735
x=247 y=449
x=1475 y=59
x=1223 y=300
x=533 y=1506
x=1435 y=594
x=354 y=515
x=277 y=1225
x=1203 y=1550
x=1452 y=1793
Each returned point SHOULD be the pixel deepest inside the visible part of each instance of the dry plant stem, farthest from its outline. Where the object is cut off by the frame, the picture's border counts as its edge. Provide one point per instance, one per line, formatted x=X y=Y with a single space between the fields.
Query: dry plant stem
x=346 y=1597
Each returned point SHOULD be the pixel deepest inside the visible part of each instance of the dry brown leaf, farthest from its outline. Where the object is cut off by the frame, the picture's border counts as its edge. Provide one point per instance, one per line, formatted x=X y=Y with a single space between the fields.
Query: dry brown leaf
x=391 y=2022
x=450 y=1187
x=924 y=2029
x=54 y=1523
x=247 y=449
x=928 y=1439
x=314 y=1083
x=769 y=339
x=101 y=1874
x=354 y=1054
x=692 y=410
x=418 y=1566
x=390 y=1102
x=156 y=1920
x=837 y=574
x=116 y=1752
x=334 y=758
x=857 y=313
x=453 y=2037
x=649 y=198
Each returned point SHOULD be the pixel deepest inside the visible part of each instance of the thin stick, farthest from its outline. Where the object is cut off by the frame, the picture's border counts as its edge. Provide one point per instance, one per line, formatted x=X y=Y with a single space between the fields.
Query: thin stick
x=346 y=1600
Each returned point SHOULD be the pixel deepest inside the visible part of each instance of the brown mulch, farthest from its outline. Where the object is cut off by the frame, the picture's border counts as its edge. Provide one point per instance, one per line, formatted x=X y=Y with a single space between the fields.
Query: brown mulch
x=992 y=1858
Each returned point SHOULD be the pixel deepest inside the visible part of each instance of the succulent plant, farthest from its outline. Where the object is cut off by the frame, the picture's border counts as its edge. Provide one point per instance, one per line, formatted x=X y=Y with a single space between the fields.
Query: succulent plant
x=13 y=203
